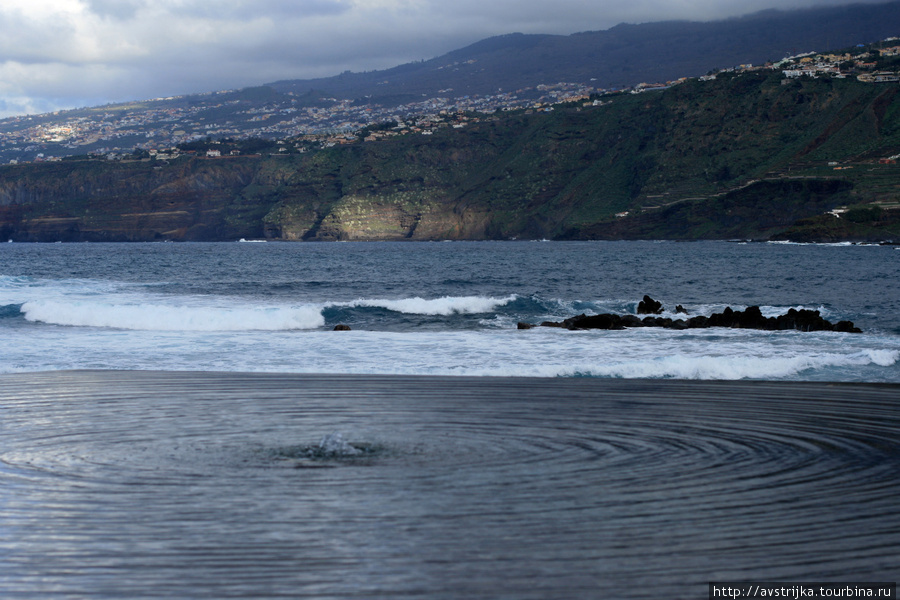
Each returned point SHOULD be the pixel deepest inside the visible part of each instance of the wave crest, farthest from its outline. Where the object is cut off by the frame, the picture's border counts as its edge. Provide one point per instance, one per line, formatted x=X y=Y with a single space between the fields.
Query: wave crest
x=734 y=368
x=444 y=306
x=155 y=317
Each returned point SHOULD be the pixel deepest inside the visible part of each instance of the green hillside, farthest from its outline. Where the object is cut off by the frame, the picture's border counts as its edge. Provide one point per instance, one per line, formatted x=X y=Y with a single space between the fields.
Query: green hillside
x=750 y=155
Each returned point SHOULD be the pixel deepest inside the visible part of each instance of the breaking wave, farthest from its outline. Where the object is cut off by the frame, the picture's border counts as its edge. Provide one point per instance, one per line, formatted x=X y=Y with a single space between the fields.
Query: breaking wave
x=10 y=311
x=157 y=317
x=444 y=306
x=735 y=368
x=170 y=317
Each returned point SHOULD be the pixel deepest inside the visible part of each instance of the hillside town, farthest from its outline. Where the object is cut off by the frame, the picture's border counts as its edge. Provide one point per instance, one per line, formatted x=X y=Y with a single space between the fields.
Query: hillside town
x=160 y=126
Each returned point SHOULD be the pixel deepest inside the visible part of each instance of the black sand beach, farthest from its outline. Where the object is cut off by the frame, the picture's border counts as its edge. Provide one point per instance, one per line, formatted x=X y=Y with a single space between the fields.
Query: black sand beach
x=139 y=484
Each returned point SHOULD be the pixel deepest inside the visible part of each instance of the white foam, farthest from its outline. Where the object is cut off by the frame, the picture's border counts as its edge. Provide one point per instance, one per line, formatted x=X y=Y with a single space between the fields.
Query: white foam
x=446 y=305
x=334 y=444
x=829 y=244
x=641 y=353
x=691 y=367
x=884 y=358
x=159 y=317
x=741 y=367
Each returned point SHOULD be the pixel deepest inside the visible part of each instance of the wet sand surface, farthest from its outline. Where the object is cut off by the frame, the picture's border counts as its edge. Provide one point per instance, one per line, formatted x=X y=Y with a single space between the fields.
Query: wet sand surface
x=133 y=484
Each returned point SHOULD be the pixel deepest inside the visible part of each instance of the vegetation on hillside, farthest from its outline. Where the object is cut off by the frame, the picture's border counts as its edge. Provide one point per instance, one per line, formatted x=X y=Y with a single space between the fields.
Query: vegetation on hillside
x=750 y=155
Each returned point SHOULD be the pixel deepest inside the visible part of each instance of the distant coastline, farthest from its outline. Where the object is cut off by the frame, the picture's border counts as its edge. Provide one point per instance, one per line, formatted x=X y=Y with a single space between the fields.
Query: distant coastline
x=754 y=155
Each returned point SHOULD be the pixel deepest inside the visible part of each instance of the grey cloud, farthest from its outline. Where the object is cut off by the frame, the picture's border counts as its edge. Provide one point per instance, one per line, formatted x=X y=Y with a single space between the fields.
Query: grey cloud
x=137 y=49
x=300 y=8
x=219 y=10
x=121 y=10
x=271 y=9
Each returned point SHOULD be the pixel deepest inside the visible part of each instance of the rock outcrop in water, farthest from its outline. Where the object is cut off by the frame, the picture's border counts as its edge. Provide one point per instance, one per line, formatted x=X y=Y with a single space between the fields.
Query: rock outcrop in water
x=750 y=318
x=649 y=306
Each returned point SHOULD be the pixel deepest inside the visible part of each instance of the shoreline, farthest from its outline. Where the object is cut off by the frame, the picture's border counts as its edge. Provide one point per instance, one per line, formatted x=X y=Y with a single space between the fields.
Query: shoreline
x=889 y=242
x=416 y=385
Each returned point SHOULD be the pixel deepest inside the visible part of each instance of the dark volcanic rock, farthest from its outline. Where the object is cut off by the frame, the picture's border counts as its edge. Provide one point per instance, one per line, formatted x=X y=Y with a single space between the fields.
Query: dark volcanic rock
x=632 y=321
x=341 y=328
x=846 y=327
x=649 y=306
x=656 y=322
x=751 y=318
x=722 y=319
x=698 y=322
x=605 y=321
x=793 y=319
x=810 y=320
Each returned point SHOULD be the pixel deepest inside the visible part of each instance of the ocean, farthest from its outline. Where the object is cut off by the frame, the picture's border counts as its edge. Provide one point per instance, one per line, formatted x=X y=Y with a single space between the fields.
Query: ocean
x=445 y=308
x=183 y=421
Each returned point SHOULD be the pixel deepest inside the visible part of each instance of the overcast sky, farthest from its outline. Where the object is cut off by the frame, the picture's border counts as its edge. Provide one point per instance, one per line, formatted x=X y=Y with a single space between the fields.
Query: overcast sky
x=57 y=54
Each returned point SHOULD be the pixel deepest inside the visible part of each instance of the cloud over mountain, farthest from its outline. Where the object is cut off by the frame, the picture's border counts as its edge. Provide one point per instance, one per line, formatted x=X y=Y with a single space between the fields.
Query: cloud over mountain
x=66 y=53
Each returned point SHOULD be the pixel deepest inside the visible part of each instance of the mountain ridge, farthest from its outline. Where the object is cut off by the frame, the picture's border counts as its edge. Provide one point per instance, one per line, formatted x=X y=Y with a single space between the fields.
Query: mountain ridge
x=464 y=79
x=692 y=48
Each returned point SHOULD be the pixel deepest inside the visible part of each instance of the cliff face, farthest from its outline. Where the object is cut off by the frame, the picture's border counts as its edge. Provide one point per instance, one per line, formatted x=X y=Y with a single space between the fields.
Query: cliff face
x=90 y=201
x=286 y=198
x=406 y=190
x=682 y=163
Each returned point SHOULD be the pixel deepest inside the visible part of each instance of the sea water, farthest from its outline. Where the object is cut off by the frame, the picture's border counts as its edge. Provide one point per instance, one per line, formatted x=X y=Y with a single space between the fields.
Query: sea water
x=294 y=468
x=444 y=308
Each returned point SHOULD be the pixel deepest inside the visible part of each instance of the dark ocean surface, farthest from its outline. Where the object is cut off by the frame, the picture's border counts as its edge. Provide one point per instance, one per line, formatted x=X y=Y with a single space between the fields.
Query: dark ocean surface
x=443 y=308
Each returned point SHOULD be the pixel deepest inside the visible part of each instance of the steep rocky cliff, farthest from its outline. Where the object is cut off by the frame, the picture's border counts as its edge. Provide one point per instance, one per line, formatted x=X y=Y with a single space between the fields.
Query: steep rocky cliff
x=751 y=156
x=136 y=201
